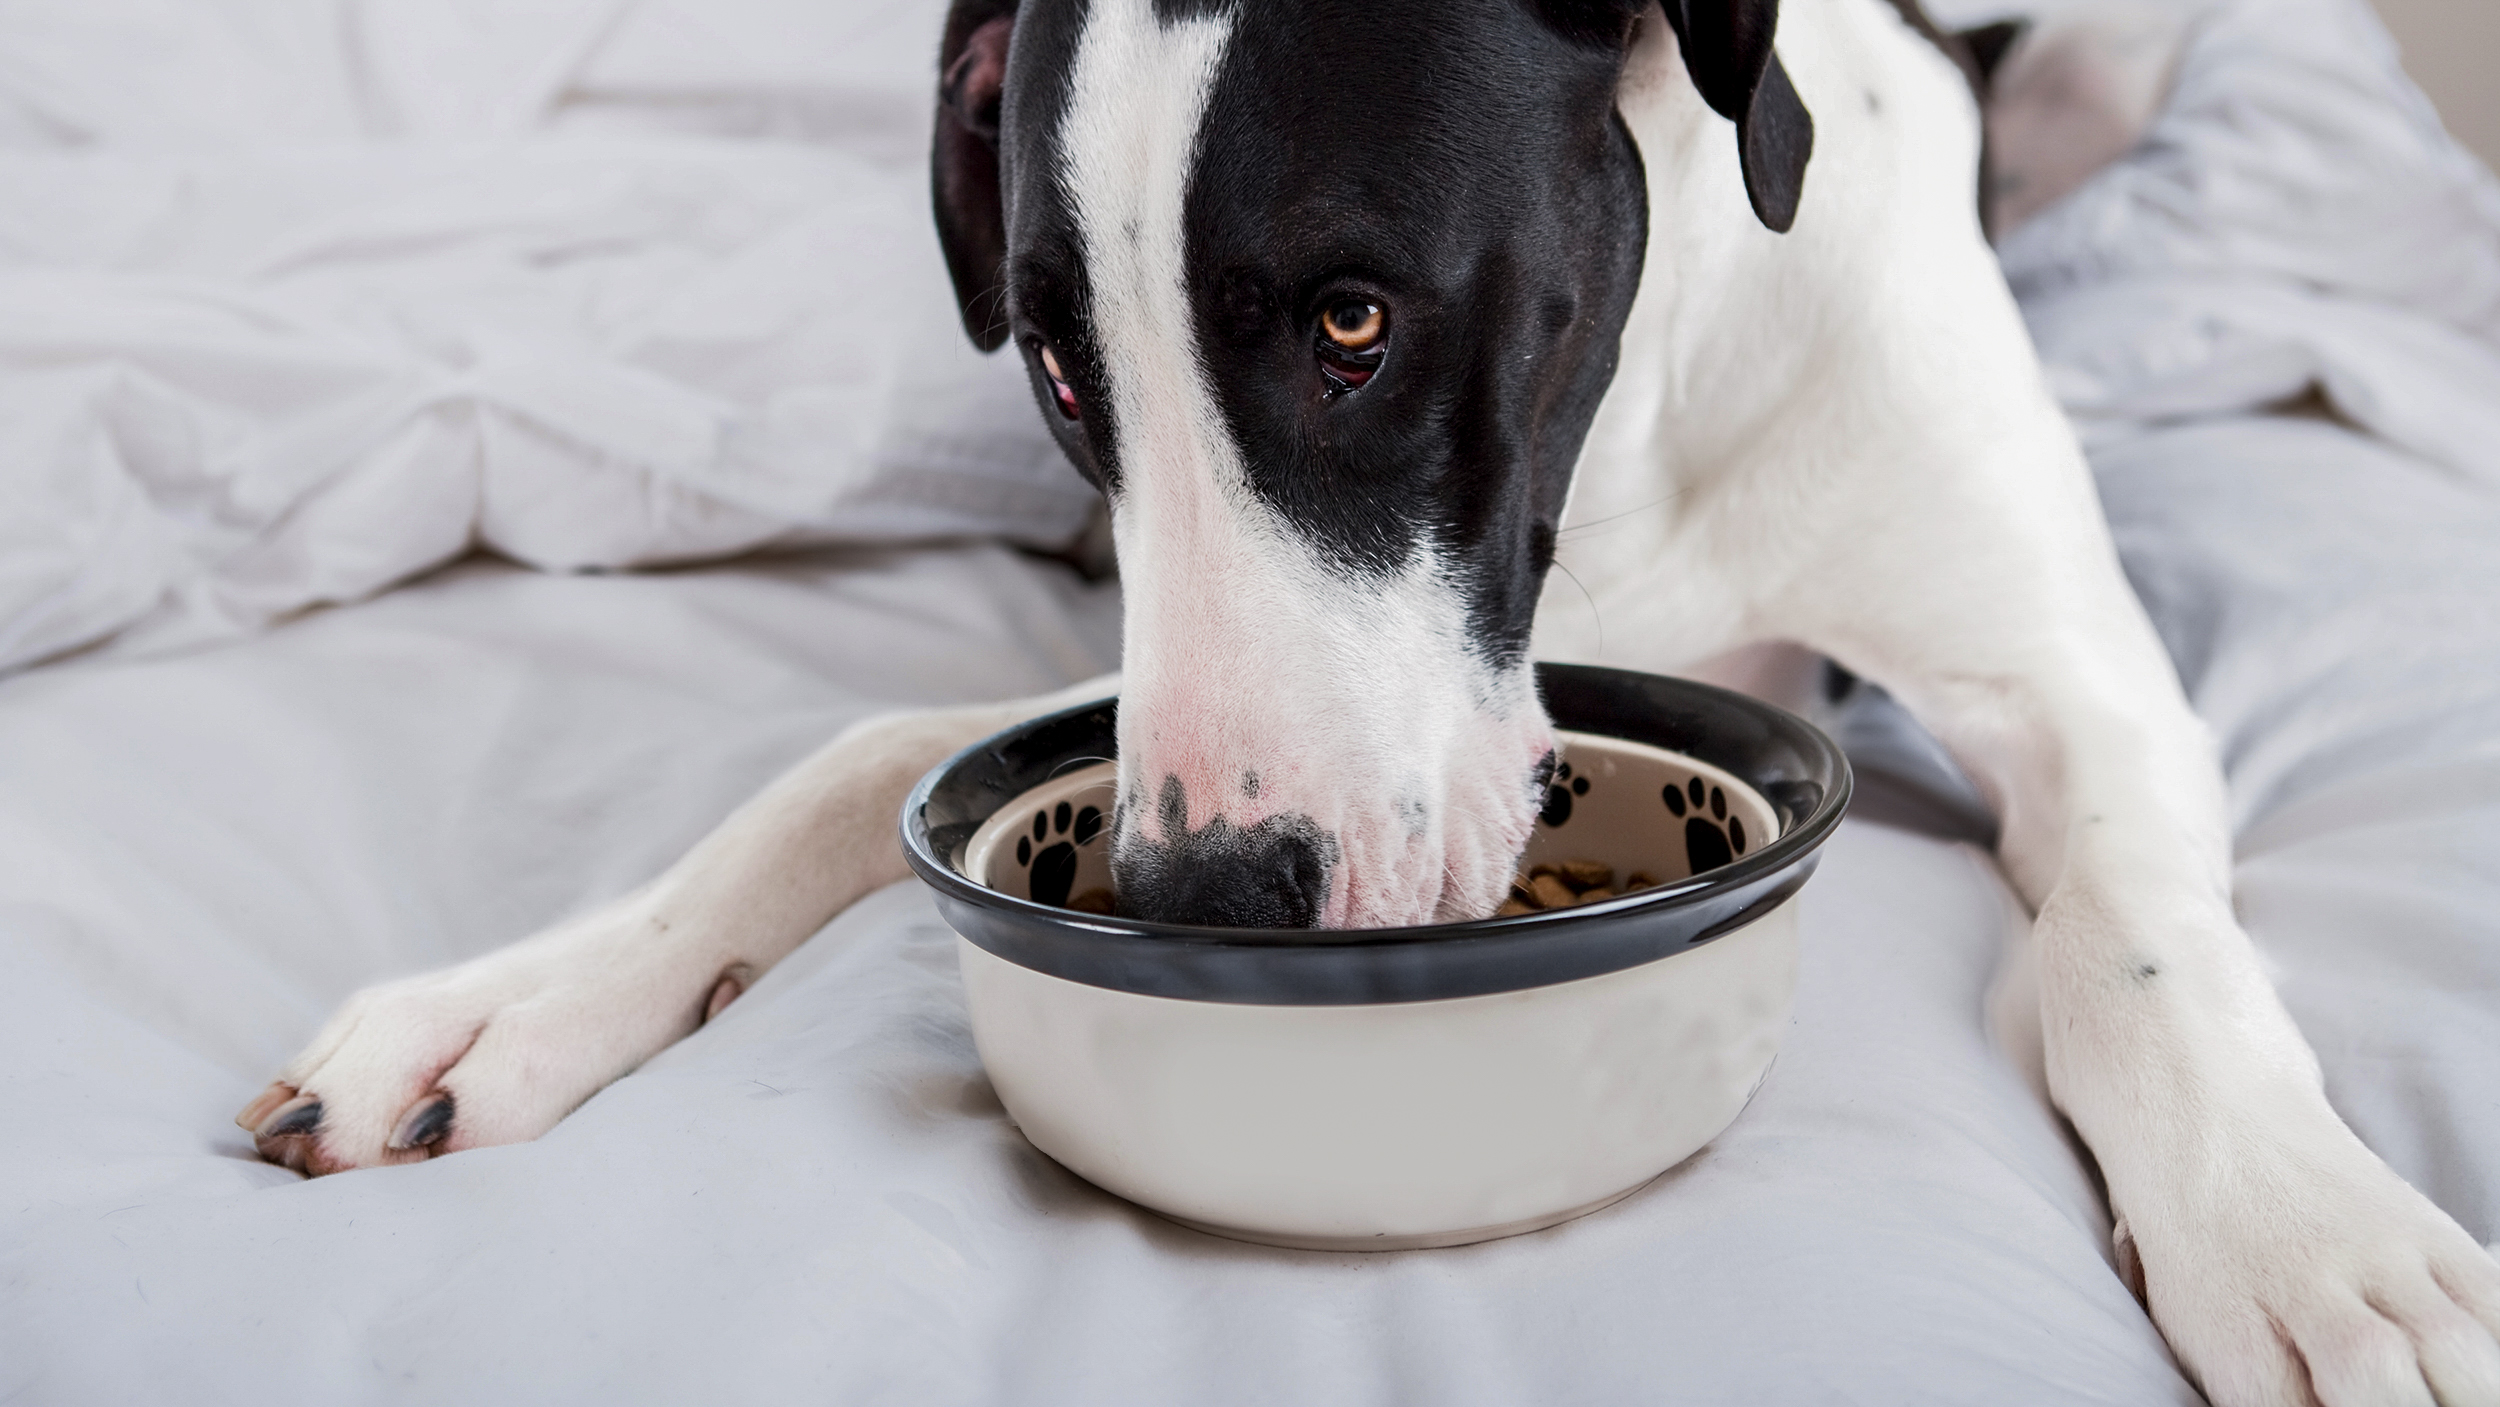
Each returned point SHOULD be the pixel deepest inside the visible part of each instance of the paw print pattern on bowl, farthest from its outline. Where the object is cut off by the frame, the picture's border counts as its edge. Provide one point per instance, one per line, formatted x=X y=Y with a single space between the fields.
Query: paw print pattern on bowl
x=1558 y=796
x=1054 y=849
x=1611 y=804
x=1597 y=805
x=1712 y=837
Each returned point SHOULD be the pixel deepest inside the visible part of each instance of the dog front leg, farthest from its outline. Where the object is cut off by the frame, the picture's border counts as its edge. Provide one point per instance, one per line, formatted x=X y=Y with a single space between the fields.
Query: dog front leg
x=498 y=1049
x=2282 y=1259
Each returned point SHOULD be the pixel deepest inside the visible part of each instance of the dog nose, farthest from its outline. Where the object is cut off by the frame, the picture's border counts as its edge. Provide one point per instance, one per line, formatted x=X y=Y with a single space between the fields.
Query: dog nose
x=1272 y=875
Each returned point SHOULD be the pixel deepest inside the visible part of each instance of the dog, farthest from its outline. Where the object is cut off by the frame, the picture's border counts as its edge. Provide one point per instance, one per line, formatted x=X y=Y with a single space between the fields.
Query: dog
x=1343 y=307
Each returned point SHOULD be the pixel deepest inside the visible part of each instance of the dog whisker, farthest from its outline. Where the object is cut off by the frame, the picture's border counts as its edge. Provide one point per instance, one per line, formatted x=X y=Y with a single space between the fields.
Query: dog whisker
x=1595 y=615
x=1577 y=529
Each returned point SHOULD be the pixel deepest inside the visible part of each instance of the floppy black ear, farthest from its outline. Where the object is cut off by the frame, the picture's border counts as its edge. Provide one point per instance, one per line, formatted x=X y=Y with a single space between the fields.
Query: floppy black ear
x=1727 y=48
x=1990 y=43
x=1604 y=23
x=963 y=162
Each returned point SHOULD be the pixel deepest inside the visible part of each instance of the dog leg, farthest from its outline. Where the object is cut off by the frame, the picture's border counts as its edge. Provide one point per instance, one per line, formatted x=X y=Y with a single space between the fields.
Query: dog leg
x=498 y=1049
x=2281 y=1258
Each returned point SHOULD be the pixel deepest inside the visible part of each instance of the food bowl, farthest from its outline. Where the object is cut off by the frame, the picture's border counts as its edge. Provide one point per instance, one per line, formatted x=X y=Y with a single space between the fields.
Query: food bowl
x=1379 y=1089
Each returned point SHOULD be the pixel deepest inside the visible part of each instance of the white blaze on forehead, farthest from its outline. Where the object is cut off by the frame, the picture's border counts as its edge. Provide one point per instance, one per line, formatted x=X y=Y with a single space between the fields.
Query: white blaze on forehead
x=1357 y=701
x=1126 y=143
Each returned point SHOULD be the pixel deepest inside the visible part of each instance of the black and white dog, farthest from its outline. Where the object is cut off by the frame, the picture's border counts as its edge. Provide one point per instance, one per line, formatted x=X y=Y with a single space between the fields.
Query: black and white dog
x=1346 y=307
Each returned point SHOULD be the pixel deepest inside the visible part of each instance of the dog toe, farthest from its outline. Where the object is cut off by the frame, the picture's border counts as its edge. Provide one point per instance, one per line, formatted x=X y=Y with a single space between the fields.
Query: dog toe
x=2253 y=1367
x=290 y=1134
x=2452 y=1314
x=426 y=1123
x=2356 y=1357
x=2471 y=1279
x=266 y=1103
x=298 y=1116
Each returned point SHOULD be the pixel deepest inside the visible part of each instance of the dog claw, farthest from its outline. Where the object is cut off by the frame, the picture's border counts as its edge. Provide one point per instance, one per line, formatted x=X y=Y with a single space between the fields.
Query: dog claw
x=2130 y=1264
x=731 y=986
x=425 y=1123
x=266 y=1103
x=300 y=1115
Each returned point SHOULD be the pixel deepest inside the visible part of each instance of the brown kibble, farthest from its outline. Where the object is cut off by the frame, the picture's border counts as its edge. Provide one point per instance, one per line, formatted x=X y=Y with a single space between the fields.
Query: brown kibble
x=1584 y=875
x=1093 y=901
x=1567 y=884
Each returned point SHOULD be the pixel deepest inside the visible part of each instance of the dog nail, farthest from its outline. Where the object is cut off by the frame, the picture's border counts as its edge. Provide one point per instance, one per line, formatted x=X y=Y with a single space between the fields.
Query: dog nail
x=300 y=1116
x=2130 y=1261
x=263 y=1106
x=728 y=989
x=424 y=1124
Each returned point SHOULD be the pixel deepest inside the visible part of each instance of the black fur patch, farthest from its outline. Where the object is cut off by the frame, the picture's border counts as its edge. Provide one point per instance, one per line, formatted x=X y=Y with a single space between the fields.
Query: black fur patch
x=1462 y=166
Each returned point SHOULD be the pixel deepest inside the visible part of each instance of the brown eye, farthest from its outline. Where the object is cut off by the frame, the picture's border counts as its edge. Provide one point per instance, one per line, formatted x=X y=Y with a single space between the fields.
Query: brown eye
x=1353 y=324
x=1060 y=390
x=1353 y=334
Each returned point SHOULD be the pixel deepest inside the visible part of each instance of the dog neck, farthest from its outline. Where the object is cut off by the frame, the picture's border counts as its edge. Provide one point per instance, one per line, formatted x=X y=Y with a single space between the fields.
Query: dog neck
x=1752 y=359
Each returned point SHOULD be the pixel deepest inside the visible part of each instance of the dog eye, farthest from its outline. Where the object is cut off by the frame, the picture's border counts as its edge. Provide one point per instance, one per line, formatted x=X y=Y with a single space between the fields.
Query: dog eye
x=1354 y=324
x=1352 y=334
x=1060 y=390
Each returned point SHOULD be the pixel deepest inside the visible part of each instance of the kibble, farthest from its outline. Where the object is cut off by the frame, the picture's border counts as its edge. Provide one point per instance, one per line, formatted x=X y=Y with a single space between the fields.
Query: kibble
x=1585 y=875
x=1547 y=890
x=1567 y=884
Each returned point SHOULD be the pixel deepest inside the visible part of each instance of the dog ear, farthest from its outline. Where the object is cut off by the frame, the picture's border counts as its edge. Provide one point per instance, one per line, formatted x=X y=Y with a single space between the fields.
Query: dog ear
x=963 y=162
x=1990 y=43
x=1727 y=49
x=1605 y=24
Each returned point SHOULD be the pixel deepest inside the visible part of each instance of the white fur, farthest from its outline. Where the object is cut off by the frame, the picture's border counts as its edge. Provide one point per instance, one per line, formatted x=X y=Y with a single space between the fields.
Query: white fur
x=1355 y=701
x=1838 y=437
x=1841 y=437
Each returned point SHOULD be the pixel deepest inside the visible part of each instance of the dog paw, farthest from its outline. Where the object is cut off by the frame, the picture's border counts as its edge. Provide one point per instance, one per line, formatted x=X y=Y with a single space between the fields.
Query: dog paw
x=497 y=1050
x=2324 y=1279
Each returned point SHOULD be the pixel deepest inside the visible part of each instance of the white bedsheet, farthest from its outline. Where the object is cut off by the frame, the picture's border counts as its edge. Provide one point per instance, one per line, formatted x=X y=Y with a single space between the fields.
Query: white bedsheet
x=816 y=1198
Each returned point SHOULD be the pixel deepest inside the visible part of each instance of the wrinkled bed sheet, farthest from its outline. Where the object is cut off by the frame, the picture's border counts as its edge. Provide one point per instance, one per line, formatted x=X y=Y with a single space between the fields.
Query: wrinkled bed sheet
x=817 y=1198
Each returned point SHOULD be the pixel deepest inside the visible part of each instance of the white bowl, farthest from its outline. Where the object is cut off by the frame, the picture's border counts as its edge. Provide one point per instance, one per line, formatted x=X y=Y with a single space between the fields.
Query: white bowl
x=1393 y=1088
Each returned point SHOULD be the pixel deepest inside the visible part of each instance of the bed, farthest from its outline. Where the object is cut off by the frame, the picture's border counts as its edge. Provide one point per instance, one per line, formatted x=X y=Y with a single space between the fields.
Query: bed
x=224 y=804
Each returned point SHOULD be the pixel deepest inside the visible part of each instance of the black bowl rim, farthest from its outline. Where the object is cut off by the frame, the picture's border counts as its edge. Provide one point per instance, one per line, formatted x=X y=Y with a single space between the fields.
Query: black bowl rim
x=1428 y=962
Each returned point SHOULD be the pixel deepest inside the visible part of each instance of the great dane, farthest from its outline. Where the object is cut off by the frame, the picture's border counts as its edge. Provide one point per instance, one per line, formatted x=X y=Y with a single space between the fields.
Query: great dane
x=1344 y=306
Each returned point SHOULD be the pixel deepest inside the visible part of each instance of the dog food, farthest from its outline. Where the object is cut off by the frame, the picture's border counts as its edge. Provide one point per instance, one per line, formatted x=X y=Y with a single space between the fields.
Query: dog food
x=1565 y=885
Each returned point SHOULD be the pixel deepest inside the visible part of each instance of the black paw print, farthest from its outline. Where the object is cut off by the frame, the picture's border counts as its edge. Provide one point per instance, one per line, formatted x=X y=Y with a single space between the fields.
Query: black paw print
x=1053 y=866
x=1712 y=837
x=1558 y=796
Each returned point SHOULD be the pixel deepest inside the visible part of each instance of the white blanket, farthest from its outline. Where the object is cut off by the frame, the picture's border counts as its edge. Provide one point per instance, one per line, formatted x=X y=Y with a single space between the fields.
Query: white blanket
x=817 y=1197
x=297 y=301
x=2295 y=221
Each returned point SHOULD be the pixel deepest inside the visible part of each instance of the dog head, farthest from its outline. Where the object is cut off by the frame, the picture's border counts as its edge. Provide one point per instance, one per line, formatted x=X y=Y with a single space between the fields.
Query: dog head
x=1323 y=296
